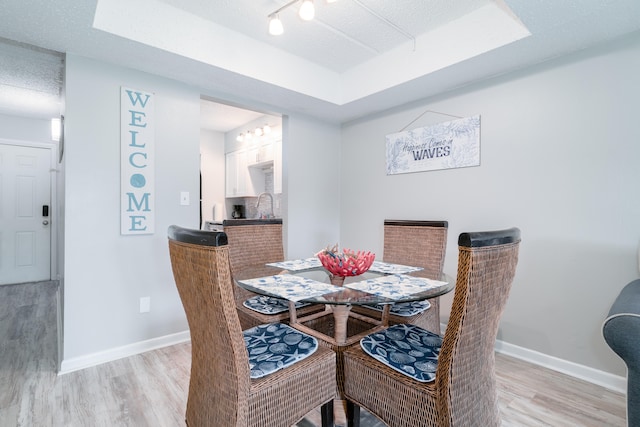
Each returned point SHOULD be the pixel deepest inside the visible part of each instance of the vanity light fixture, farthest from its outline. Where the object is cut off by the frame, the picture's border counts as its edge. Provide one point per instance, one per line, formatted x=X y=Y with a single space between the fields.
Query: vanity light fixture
x=258 y=132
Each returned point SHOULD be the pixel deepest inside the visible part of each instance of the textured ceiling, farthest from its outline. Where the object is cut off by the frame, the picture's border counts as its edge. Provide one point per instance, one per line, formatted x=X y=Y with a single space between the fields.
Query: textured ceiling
x=342 y=34
x=344 y=65
x=30 y=80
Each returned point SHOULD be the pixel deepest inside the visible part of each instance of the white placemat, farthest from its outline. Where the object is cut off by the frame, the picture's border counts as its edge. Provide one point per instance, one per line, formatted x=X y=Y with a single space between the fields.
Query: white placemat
x=396 y=286
x=297 y=264
x=390 y=268
x=293 y=288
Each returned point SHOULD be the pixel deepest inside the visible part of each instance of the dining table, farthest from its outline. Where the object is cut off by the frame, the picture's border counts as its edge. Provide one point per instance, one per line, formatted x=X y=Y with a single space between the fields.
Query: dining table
x=307 y=281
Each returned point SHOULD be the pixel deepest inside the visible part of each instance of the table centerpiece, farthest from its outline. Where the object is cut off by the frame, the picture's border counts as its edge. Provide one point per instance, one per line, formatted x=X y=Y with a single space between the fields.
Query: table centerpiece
x=345 y=263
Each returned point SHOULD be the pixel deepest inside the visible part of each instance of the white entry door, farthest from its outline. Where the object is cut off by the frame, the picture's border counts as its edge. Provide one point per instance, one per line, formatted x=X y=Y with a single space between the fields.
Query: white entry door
x=25 y=224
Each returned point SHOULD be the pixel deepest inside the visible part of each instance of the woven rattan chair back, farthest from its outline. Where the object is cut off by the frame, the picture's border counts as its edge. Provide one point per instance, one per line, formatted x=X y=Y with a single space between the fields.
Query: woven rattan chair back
x=221 y=391
x=465 y=377
x=219 y=382
x=254 y=243
x=464 y=390
x=421 y=244
x=417 y=243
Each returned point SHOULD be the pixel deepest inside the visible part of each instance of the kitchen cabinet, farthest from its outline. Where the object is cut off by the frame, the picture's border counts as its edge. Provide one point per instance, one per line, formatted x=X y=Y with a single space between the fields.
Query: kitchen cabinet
x=235 y=182
x=260 y=155
x=241 y=181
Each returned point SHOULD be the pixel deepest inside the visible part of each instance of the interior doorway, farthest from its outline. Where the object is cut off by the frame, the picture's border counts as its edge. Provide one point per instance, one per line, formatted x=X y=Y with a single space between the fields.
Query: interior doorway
x=26 y=210
x=220 y=125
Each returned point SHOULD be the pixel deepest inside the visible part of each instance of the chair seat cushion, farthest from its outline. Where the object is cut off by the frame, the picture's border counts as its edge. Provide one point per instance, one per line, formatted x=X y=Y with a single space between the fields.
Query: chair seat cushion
x=269 y=305
x=406 y=348
x=404 y=309
x=275 y=346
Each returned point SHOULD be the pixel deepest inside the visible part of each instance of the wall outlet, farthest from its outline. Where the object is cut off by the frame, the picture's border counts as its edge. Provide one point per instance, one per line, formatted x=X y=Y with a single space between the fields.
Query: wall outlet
x=145 y=304
x=184 y=198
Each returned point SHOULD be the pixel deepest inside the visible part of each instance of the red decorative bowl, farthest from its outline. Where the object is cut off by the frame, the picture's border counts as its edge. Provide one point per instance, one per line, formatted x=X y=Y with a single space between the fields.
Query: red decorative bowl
x=347 y=263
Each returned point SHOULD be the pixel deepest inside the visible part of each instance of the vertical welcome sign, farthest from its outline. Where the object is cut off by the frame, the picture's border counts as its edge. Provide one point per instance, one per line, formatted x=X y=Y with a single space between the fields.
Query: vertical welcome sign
x=137 y=140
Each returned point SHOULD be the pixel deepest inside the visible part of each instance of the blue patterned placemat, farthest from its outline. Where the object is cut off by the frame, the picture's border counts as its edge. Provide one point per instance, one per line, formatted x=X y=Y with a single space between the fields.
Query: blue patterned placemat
x=297 y=264
x=293 y=288
x=270 y=305
x=396 y=285
x=390 y=268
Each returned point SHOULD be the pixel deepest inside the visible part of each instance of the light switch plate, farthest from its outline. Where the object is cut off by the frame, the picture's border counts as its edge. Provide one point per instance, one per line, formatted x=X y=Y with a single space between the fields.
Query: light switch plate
x=184 y=198
x=145 y=304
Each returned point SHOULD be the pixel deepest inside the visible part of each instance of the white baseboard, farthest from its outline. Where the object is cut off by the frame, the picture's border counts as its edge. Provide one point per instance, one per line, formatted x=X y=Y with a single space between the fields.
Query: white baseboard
x=595 y=376
x=82 y=362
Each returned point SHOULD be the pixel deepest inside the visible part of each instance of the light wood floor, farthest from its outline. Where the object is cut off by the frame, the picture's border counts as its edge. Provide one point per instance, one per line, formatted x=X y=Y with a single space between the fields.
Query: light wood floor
x=150 y=389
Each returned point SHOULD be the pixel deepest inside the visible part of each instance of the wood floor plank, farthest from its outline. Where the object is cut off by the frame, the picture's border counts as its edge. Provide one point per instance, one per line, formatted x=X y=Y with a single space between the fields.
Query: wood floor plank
x=150 y=389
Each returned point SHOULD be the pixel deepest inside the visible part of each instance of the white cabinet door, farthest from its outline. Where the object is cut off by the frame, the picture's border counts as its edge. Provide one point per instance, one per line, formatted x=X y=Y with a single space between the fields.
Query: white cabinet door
x=265 y=152
x=277 y=166
x=253 y=155
x=235 y=171
x=260 y=155
x=241 y=180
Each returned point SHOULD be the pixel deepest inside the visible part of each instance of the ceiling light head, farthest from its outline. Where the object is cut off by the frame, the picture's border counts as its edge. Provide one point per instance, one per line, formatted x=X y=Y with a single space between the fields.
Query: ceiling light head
x=56 y=129
x=248 y=136
x=307 y=10
x=275 y=25
x=240 y=137
x=258 y=131
x=266 y=129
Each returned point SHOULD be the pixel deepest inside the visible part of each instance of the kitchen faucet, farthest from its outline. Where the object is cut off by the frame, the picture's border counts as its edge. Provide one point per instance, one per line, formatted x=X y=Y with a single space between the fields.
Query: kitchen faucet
x=270 y=215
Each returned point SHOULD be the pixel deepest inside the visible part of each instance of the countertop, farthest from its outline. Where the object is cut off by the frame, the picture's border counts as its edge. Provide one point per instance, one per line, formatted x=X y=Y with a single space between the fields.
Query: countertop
x=249 y=221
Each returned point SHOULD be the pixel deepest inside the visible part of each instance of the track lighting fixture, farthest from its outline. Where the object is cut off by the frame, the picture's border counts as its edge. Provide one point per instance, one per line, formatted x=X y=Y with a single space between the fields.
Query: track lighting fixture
x=306 y=12
x=275 y=25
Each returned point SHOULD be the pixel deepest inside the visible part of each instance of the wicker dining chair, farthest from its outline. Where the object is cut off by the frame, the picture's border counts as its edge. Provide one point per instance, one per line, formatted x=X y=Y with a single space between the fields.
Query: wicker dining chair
x=463 y=392
x=253 y=244
x=222 y=390
x=419 y=244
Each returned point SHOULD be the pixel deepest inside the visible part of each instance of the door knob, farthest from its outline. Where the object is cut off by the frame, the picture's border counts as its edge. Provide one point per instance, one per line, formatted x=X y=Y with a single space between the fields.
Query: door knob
x=45 y=222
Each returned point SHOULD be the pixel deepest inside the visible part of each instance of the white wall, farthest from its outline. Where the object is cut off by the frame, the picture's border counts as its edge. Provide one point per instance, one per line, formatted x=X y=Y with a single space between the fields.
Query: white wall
x=560 y=159
x=311 y=187
x=212 y=166
x=25 y=129
x=106 y=273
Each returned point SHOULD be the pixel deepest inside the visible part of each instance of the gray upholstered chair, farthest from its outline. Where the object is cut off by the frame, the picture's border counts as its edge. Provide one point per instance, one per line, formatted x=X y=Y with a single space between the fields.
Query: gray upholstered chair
x=453 y=380
x=234 y=381
x=621 y=330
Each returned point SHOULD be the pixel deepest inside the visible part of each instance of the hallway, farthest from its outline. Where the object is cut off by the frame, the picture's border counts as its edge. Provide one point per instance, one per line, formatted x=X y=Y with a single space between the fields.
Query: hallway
x=28 y=334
